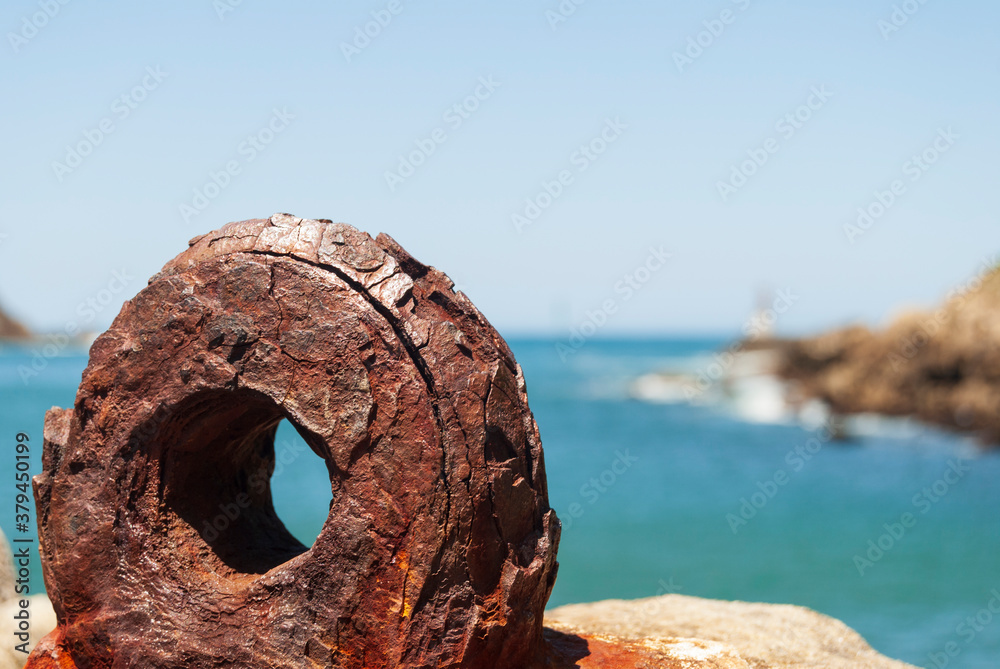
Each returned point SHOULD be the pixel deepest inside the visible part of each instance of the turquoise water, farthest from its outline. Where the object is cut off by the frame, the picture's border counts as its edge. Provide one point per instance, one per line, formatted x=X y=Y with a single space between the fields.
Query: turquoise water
x=666 y=476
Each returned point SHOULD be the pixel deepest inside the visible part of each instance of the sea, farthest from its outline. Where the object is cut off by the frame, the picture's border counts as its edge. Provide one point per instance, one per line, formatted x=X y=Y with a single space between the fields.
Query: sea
x=894 y=530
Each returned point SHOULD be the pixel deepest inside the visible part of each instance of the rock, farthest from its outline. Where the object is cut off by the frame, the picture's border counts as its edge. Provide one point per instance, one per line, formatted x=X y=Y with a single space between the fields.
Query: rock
x=572 y=649
x=12 y=329
x=6 y=570
x=760 y=636
x=942 y=367
x=42 y=620
x=160 y=544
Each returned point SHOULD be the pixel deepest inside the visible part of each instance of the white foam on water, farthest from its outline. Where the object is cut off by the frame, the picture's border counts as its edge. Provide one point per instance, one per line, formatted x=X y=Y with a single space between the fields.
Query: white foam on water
x=759 y=399
x=749 y=391
x=662 y=388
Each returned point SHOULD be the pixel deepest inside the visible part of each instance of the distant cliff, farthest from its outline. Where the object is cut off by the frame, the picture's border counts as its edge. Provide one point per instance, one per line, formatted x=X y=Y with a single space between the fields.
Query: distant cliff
x=942 y=366
x=12 y=329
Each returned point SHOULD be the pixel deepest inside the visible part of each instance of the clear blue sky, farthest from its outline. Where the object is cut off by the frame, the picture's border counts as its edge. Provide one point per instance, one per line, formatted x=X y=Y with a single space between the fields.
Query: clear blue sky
x=656 y=185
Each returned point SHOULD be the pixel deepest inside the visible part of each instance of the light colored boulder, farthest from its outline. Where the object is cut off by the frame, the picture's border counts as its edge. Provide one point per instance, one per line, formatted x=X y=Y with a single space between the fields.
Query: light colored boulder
x=43 y=618
x=764 y=636
x=6 y=570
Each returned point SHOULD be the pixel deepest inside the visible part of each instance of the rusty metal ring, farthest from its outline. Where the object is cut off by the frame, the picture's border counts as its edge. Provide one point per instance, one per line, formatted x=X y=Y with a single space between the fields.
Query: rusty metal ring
x=439 y=548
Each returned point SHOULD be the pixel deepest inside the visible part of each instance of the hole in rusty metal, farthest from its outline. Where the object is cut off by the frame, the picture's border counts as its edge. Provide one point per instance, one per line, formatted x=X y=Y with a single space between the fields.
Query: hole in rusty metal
x=220 y=466
x=300 y=485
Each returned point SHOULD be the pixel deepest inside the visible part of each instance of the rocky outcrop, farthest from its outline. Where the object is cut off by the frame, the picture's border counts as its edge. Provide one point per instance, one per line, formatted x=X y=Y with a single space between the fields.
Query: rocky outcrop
x=697 y=633
x=160 y=544
x=12 y=329
x=942 y=367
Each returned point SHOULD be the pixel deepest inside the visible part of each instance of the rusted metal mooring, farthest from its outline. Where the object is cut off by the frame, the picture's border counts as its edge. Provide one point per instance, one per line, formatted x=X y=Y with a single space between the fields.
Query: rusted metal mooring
x=439 y=548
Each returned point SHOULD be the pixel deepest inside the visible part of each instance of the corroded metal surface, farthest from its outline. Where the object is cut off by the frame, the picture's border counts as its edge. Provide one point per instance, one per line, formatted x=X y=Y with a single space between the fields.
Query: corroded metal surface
x=160 y=543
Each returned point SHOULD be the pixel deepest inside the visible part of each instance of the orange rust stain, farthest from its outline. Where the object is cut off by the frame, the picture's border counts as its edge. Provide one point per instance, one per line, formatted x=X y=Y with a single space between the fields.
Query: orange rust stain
x=403 y=564
x=49 y=655
x=572 y=651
